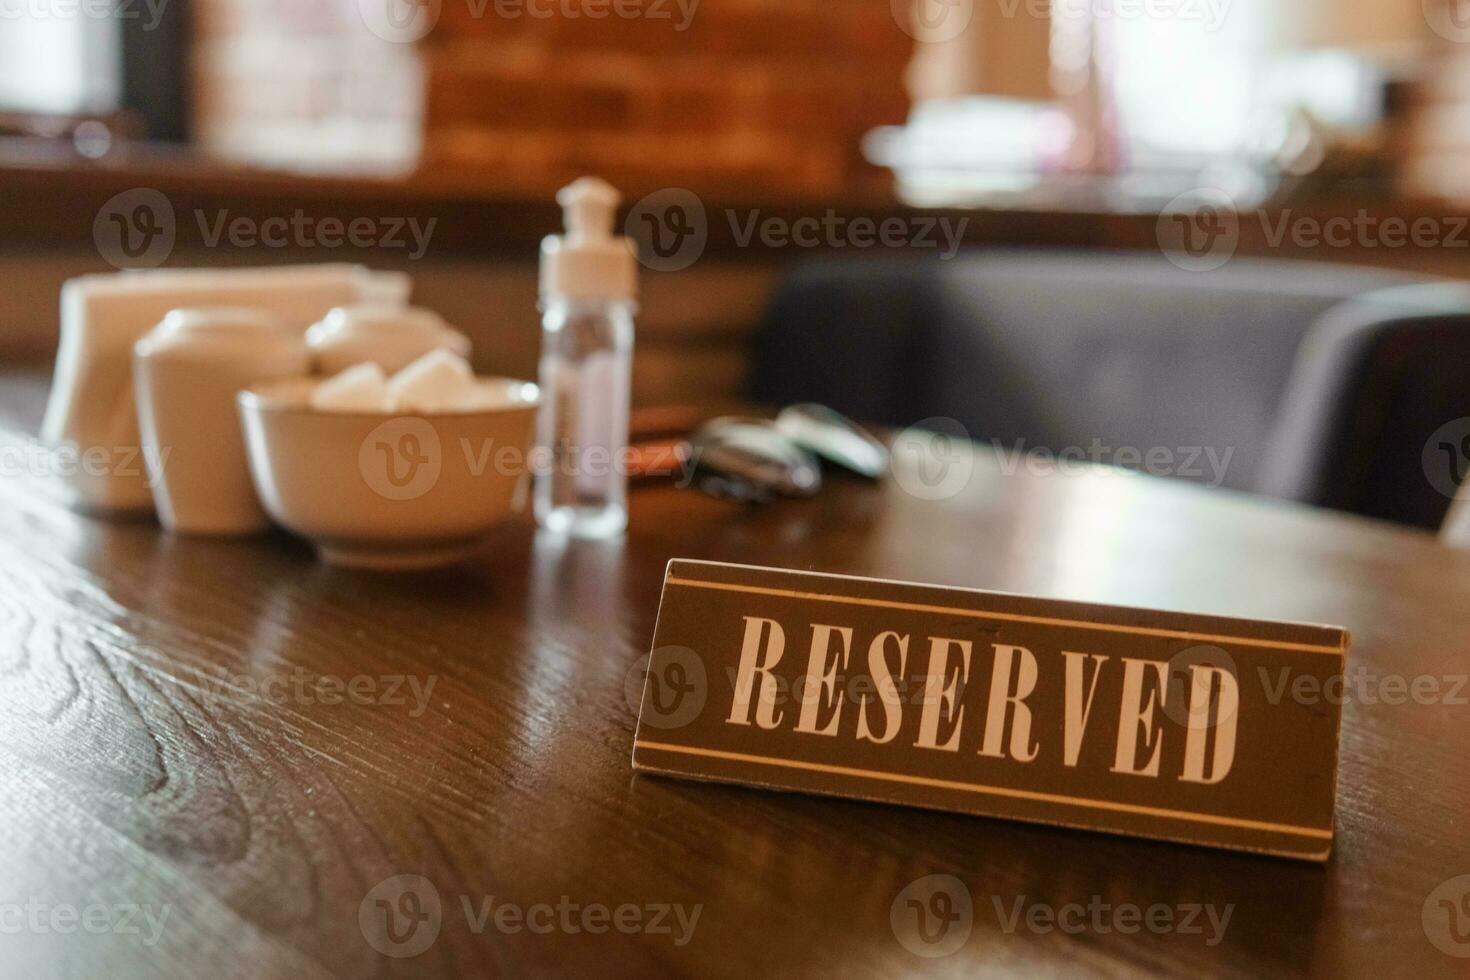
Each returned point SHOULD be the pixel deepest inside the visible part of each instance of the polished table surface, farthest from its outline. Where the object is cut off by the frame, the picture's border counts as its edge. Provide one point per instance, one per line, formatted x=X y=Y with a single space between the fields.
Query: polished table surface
x=171 y=764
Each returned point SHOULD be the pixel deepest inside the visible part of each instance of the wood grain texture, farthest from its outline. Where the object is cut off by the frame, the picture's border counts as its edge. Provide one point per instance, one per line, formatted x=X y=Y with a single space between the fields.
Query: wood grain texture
x=144 y=758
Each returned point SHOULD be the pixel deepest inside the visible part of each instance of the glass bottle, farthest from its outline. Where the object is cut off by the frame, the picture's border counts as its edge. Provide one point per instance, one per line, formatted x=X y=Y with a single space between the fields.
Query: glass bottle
x=589 y=280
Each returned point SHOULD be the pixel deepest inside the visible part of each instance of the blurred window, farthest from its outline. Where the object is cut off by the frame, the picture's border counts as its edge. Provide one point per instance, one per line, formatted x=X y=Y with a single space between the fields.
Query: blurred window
x=1142 y=101
x=58 y=57
x=1187 y=85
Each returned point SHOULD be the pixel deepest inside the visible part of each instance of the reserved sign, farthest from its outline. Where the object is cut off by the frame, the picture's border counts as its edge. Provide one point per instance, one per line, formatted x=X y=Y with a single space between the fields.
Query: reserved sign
x=1130 y=721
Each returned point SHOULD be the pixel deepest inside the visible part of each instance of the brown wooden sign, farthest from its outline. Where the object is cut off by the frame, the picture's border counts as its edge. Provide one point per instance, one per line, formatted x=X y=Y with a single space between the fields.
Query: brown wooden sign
x=1132 y=721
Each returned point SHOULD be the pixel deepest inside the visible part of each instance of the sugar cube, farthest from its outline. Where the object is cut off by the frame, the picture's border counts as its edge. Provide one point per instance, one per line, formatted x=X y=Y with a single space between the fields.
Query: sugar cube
x=361 y=388
x=440 y=381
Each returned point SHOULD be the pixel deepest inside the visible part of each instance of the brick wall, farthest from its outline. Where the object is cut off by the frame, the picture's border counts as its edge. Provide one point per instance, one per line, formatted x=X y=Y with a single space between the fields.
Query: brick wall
x=770 y=93
x=751 y=95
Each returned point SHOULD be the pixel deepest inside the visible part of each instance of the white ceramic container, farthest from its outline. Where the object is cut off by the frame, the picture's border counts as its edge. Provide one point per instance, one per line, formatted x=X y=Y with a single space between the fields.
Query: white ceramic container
x=187 y=373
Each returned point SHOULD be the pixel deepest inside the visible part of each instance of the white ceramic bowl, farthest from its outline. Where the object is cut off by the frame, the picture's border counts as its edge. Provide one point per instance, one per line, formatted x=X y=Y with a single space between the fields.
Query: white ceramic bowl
x=385 y=490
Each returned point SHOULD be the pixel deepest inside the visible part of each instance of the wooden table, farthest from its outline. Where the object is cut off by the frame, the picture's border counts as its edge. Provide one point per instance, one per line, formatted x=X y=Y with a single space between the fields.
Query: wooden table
x=166 y=747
